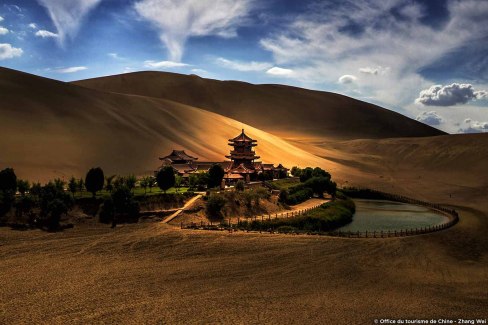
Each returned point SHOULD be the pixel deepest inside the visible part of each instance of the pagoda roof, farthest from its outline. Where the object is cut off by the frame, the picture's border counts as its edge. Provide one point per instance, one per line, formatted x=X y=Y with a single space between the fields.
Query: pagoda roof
x=176 y=155
x=206 y=165
x=242 y=138
x=241 y=169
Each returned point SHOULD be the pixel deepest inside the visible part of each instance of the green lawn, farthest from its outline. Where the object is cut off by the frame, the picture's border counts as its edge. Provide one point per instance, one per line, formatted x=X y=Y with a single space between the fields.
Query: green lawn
x=285 y=183
x=138 y=191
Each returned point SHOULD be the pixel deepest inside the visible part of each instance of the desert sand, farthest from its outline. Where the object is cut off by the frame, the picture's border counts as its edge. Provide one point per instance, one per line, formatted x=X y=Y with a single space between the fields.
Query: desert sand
x=154 y=273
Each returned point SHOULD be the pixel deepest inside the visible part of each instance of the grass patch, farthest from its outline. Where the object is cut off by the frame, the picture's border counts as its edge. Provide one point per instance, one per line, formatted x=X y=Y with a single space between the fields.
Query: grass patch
x=284 y=183
x=327 y=217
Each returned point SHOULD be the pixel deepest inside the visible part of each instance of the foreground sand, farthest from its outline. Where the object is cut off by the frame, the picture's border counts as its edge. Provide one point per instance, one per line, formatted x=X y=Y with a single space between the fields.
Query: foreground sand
x=153 y=273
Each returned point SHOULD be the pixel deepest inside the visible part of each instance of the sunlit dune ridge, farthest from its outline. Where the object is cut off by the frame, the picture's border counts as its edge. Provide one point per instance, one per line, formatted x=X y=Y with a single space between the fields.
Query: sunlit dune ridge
x=279 y=109
x=54 y=129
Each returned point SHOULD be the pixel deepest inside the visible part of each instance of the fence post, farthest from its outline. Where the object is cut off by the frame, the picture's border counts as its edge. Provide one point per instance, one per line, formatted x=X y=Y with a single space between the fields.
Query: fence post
x=366 y=234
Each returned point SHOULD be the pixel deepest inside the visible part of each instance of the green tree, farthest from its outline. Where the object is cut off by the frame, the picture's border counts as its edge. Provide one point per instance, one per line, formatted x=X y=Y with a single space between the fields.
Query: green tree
x=23 y=186
x=94 y=180
x=306 y=174
x=130 y=182
x=54 y=202
x=215 y=176
x=144 y=184
x=318 y=185
x=178 y=181
x=7 y=199
x=35 y=189
x=109 y=186
x=124 y=205
x=59 y=183
x=240 y=186
x=8 y=187
x=150 y=182
x=73 y=186
x=283 y=197
x=295 y=171
x=23 y=206
x=319 y=172
x=8 y=180
x=166 y=178
x=81 y=185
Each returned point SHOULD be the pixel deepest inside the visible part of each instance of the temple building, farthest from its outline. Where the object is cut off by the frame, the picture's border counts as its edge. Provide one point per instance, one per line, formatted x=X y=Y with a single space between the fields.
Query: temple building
x=243 y=164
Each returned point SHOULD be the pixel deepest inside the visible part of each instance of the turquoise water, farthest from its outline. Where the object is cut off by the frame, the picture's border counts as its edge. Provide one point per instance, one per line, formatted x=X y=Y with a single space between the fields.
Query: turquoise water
x=388 y=215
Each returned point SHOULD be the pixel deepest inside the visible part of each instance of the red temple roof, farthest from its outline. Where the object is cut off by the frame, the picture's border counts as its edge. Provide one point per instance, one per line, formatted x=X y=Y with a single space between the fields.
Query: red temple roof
x=242 y=138
x=179 y=155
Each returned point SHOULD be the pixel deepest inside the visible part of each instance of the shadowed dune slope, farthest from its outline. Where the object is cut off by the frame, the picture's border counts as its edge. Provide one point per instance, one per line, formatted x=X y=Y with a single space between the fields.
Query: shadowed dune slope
x=54 y=129
x=275 y=108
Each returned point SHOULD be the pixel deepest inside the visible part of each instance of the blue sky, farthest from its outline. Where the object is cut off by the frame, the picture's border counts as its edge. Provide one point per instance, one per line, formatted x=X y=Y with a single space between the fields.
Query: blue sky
x=425 y=59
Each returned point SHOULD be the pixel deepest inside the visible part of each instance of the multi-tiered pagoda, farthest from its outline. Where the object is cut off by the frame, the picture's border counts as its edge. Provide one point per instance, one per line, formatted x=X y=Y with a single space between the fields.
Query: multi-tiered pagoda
x=242 y=156
x=243 y=164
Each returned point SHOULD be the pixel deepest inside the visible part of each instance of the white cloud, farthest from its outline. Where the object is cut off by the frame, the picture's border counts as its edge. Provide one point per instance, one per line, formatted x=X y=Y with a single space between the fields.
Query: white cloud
x=347 y=79
x=46 y=34
x=449 y=95
x=374 y=71
x=3 y=30
x=281 y=72
x=115 y=56
x=243 y=66
x=164 y=64
x=9 y=52
x=430 y=118
x=473 y=126
x=1 y=18
x=320 y=45
x=33 y=25
x=67 y=15
x=70 y=69
x=179 y=20
x=199 y=71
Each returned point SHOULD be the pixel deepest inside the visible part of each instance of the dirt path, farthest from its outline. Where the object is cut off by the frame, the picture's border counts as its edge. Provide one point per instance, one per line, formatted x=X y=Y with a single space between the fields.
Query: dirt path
x=187 y=205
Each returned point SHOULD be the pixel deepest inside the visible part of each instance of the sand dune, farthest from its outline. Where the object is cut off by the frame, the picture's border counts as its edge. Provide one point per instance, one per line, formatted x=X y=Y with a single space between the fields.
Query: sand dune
x=278 y=109
x=54 y=129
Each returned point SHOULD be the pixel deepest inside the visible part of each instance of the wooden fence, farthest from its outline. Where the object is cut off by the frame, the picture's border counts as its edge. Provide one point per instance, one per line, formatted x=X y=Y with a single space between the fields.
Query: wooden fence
x=227 y=224
x=451 y=214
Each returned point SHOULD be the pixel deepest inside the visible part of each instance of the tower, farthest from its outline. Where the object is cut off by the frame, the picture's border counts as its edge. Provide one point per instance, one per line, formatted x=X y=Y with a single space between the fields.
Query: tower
x=243 y=153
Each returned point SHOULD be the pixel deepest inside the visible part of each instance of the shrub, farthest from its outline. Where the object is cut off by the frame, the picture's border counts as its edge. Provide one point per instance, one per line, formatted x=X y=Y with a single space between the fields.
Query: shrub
x=6 y=201
x=125 y=208
x=23 y=186
x=107 y=211
x=286 y=229
x=214 y=205
x=240 y=186
x=54 y=202
x=300 y=196
x=283 y=197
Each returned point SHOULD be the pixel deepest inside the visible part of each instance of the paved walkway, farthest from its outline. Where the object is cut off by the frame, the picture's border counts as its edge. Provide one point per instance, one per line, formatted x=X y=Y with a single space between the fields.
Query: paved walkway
x=186 y=206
